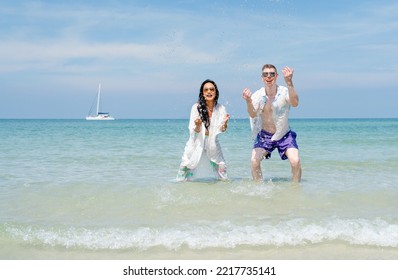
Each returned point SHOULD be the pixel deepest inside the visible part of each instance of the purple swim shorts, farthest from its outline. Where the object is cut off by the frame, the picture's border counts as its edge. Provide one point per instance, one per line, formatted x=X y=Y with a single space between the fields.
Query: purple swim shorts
x=263 y=140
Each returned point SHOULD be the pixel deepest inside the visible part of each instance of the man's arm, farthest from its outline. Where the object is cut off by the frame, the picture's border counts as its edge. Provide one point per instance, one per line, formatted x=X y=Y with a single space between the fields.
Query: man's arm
x=293 y=96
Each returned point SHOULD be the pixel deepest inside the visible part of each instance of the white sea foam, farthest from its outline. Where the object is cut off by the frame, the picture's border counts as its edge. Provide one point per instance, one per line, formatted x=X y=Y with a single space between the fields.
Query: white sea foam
x=297 y=232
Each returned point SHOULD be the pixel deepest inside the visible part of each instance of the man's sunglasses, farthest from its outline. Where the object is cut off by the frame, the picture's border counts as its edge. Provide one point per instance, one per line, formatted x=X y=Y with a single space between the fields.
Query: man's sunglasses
x=270 y=74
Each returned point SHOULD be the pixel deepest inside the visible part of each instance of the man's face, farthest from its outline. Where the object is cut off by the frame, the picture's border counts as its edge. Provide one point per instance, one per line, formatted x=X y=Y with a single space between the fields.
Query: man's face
x=269 y=76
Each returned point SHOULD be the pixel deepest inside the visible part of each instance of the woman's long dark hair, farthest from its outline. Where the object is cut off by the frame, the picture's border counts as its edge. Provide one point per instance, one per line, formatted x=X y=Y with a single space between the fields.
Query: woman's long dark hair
x=202 y=108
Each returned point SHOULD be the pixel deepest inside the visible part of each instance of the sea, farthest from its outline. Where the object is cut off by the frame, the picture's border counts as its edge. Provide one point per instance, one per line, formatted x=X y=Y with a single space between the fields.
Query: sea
x=95 y=190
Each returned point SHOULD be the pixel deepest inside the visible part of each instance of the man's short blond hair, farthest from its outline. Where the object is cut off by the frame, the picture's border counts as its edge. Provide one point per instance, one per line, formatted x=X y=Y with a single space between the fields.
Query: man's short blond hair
x=269 y=66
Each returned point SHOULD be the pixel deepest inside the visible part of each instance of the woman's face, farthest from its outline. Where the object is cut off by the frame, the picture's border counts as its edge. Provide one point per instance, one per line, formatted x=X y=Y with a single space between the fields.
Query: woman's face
x=209 y=92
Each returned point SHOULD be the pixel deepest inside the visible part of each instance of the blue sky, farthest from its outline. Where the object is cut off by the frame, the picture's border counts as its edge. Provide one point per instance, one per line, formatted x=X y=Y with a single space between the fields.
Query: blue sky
x=151 y=56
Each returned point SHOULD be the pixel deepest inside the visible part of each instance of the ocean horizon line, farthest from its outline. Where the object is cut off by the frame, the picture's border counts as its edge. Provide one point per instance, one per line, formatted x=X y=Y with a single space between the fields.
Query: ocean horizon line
x=240 y=118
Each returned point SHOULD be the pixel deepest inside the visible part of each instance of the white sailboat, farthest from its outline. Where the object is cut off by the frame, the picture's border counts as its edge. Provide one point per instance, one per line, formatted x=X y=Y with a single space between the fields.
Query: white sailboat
x=99 y=116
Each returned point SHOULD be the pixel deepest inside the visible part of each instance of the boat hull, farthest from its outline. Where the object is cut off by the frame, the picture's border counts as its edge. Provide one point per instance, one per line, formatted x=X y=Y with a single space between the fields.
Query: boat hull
x=99 y=118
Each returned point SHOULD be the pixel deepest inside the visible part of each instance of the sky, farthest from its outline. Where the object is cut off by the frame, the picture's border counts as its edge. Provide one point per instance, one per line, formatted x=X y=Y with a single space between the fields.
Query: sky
x=151 y=57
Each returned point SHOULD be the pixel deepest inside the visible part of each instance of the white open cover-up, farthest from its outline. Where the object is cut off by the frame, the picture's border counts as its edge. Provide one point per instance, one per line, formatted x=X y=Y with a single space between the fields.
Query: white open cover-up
x=198 y=142
x=281 y=108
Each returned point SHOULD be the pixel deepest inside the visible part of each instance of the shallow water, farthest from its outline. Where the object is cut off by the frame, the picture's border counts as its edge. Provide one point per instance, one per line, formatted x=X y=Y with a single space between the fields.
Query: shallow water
x=78 y=189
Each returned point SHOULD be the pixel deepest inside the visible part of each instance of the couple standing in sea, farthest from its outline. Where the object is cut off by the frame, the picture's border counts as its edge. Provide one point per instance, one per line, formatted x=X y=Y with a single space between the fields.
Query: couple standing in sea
x=268 y=109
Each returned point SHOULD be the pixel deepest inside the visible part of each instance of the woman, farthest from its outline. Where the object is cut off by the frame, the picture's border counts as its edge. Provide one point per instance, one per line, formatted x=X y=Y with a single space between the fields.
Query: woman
x=208 y=119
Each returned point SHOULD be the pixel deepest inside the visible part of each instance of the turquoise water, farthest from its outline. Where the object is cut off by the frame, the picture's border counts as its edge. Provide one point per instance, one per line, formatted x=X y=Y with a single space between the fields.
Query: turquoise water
x=79 y=189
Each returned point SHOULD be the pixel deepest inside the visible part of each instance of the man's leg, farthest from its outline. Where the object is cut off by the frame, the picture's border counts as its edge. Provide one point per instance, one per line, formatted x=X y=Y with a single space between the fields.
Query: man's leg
x=294 y=159
x=257 y=156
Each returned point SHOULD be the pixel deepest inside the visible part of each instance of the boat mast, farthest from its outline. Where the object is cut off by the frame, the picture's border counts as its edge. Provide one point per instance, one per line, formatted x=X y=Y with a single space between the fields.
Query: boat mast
x=98 y=97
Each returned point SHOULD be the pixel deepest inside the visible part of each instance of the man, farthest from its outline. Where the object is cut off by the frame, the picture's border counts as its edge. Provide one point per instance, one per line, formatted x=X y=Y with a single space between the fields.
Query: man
x=269 y=109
